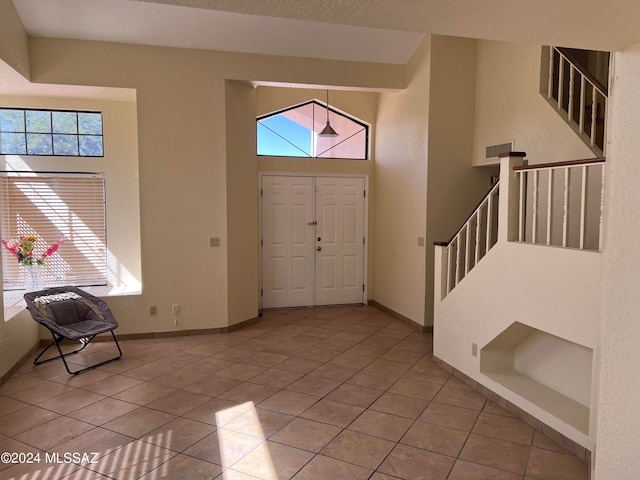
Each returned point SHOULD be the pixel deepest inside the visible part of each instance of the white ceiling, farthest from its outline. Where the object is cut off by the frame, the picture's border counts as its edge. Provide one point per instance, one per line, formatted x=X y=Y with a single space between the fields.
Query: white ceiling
x=176 y=26
x=384 y=31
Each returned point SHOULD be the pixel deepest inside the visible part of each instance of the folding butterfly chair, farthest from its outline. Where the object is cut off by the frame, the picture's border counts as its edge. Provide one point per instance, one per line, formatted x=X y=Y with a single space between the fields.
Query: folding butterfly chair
x=72 y=314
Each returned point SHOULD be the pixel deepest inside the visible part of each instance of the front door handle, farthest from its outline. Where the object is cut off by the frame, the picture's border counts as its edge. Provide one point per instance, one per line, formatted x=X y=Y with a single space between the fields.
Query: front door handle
x=312 y=223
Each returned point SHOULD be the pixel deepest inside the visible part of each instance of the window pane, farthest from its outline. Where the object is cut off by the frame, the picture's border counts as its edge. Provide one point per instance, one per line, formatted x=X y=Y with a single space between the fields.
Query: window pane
x=65 y=145
x=344 y=147
x=270 y=143
x=12 y=120
x=38 y=122
x=286 y=133
x=13 y=144
x=91 y=146
x=50 y=133
x=90 y=123
x=294 y=132
x=39 y=144
x=65 y=122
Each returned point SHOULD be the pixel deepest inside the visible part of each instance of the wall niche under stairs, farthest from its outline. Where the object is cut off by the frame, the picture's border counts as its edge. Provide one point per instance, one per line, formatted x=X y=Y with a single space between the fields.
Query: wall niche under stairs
x=551 y=372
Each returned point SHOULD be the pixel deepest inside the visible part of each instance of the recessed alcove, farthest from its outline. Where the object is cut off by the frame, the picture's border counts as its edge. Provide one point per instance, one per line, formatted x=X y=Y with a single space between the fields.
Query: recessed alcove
x=551 y=372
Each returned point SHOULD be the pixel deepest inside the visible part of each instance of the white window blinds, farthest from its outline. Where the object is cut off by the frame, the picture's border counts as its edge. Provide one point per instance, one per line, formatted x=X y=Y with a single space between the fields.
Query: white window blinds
x=51 y=206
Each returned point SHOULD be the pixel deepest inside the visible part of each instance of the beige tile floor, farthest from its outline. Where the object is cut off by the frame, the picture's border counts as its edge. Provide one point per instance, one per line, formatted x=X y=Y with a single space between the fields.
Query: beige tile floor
x=310 y=394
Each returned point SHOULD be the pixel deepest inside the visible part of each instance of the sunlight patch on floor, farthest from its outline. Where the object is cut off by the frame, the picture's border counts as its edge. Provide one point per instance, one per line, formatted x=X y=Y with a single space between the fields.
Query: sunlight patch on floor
x=243 y=447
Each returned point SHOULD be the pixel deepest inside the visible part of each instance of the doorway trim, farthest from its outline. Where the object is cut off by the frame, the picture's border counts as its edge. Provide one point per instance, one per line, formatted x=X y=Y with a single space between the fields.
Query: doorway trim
x=365 y=253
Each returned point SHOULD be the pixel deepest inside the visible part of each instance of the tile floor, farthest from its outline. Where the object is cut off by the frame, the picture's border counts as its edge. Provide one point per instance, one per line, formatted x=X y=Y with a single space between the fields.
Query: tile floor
x=310 y=394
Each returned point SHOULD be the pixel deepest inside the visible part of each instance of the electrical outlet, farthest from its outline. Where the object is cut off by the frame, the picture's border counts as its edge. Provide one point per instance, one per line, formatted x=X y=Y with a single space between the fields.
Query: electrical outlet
x=152 y=310
x=175 y=309
x=474 y=349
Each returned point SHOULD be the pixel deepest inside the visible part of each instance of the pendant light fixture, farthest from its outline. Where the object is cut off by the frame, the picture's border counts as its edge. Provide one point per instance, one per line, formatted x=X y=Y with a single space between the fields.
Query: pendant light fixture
x=327 y=131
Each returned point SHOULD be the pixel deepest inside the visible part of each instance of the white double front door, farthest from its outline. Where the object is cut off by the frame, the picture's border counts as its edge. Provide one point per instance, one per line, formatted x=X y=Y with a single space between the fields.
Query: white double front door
x=313 y=240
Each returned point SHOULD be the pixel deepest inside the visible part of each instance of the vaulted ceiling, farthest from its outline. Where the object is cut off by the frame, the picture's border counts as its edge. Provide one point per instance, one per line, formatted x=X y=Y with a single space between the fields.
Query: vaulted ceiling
x=380 y=31
x=384 y=31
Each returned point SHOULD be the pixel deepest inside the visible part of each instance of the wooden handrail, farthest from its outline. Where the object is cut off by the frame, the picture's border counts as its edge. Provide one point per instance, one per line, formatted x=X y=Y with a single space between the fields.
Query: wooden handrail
x=484 y=197
x=570 y=163
x=512 y=154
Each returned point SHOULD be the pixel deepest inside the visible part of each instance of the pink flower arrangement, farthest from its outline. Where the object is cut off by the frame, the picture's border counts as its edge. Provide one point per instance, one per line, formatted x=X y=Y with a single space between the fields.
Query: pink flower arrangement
x=23 y=247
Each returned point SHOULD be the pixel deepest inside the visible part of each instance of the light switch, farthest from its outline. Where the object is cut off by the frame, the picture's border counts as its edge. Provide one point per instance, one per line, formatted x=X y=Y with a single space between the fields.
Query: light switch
x=421 y=241
x=214 y=242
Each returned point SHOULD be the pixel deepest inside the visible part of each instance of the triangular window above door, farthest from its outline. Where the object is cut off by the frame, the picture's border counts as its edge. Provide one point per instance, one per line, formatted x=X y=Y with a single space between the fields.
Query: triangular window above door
x=293 y=132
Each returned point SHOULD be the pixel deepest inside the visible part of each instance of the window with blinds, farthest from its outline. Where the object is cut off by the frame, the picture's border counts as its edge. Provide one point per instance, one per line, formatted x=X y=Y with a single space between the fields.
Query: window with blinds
x=50 y=206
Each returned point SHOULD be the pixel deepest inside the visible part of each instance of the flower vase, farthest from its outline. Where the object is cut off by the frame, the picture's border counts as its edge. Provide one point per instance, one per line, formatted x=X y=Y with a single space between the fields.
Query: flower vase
x=32 y=278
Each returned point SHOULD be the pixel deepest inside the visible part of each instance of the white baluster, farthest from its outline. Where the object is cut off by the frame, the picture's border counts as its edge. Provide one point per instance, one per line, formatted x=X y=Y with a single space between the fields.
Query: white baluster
x=552 y=53
x=549 y=204
x=488 y=236
x=523 y=206
x=560 y=81
x=449 y=267
x=583 y=205
x=467 y=249
x=477 y=251
x=583 y=100
x=457 y=277
x=570 y=104
x=565 y=201
x=534 y=208
x=601 y=232
x=594 y=114
x=604 y=133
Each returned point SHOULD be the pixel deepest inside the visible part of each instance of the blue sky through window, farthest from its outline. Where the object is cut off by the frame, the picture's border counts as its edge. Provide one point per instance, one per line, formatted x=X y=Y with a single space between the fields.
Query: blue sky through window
x=272 y=133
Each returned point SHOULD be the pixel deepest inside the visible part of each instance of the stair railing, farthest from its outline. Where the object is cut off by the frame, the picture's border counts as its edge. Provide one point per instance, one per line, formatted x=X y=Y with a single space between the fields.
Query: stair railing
x=578 y=96
x=562 y=204
x=553 y=204
x=472 y=241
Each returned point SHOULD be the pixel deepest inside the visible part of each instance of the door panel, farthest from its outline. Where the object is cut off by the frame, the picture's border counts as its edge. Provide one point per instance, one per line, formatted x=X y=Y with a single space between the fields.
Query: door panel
x=313 y=231
x=340 y=235
x=288 y=242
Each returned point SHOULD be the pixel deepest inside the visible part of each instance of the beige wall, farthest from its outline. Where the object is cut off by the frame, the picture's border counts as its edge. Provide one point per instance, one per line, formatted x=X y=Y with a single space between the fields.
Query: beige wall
x=618 y=430
x=453 y=188
x=400 y=192
x=560 y=365
x=242 y=202
x=14 y=44
x=510 y=107
x=424 y=186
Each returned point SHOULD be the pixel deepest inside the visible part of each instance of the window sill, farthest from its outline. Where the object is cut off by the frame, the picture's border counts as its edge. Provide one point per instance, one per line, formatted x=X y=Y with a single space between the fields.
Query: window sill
x=14 y=302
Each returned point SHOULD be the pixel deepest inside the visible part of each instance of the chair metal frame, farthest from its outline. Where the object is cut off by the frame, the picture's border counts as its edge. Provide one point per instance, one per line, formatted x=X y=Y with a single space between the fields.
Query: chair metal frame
x=57 y=339
x=61 y=333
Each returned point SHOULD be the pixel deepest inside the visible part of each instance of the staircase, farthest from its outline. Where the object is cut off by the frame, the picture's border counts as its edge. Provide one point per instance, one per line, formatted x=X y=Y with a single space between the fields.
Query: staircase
x=517 y=292
x=574 y=82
